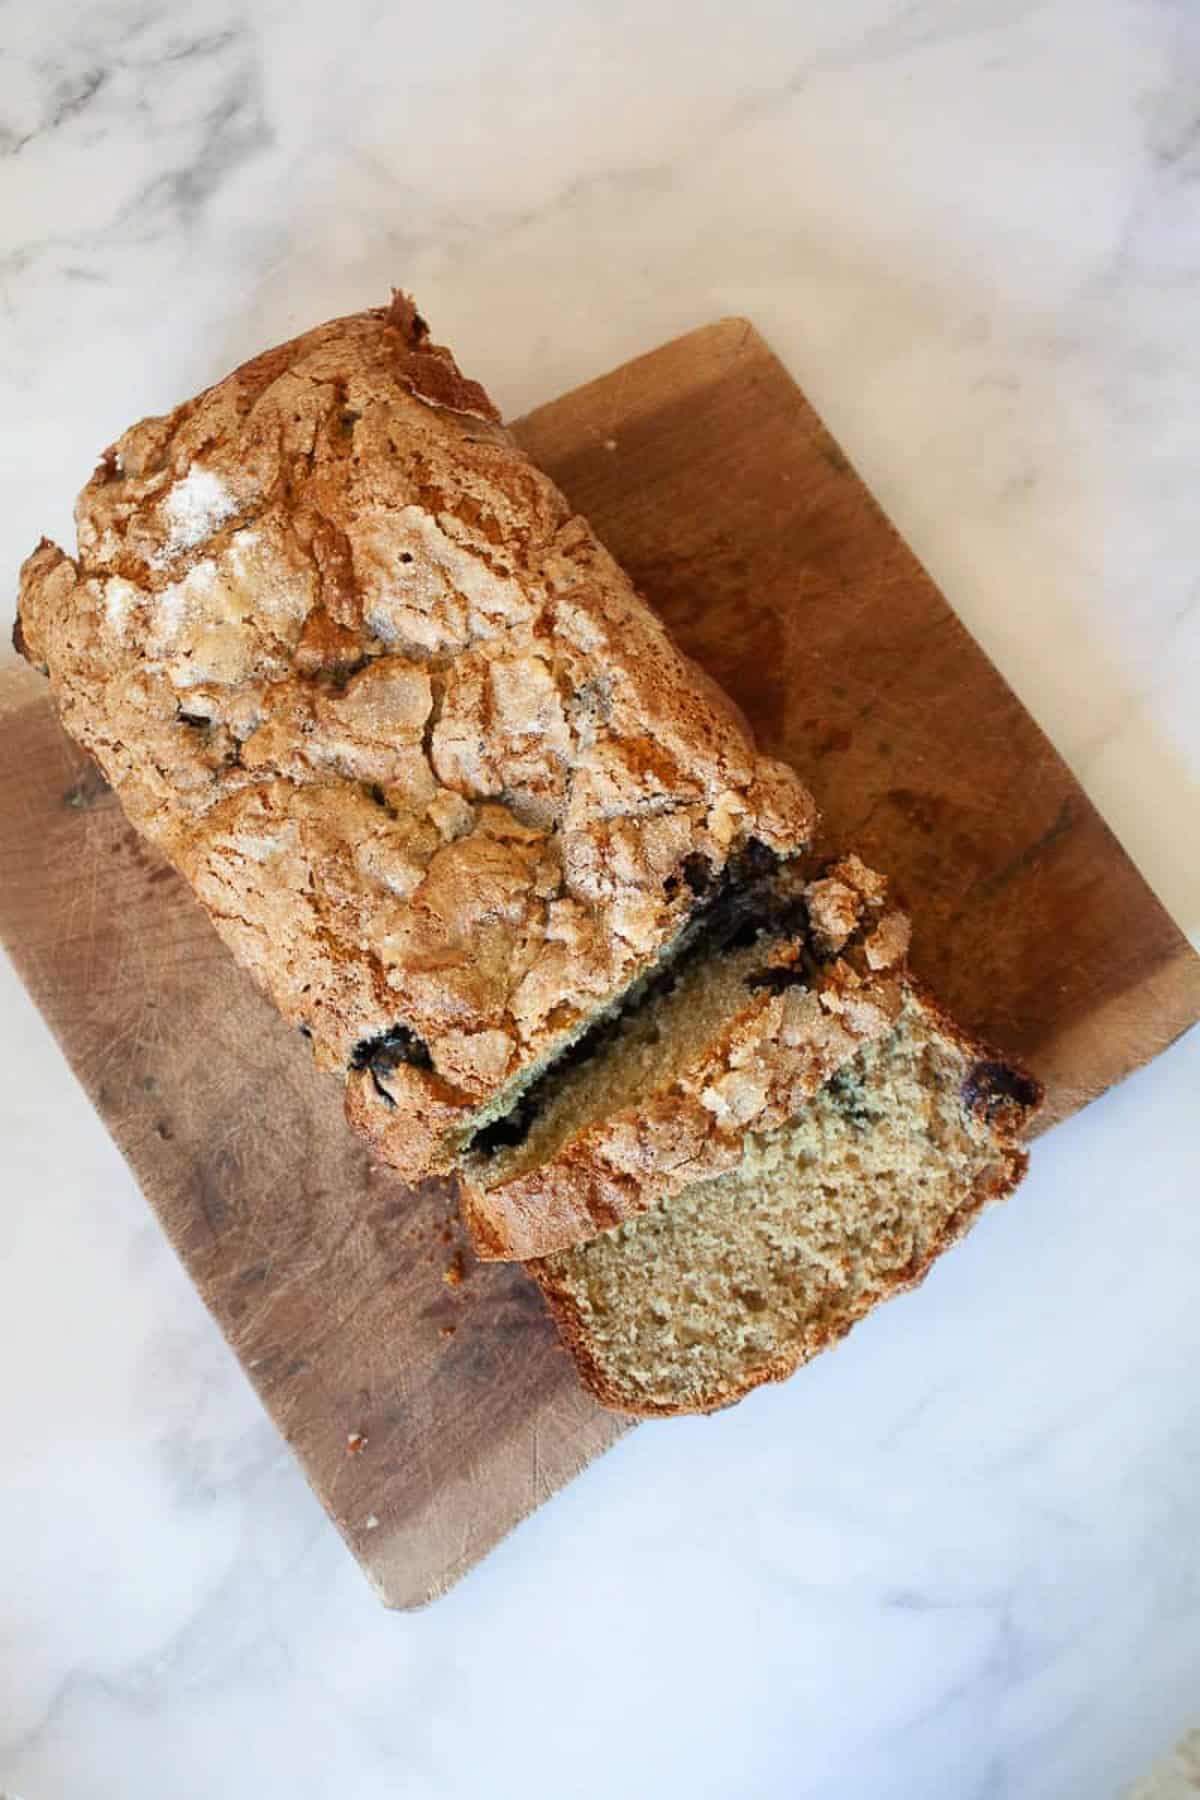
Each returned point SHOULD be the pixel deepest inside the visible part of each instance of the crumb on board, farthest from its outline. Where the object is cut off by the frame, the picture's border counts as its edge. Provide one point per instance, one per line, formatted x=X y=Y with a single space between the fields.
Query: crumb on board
x=356 y=1443
x=448 y=1330
x=453 y=1275
x=371 y=1522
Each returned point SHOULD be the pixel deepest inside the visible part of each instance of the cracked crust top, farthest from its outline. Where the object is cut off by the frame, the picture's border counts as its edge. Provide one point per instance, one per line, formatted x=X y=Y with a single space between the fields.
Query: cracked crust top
x=426 y=758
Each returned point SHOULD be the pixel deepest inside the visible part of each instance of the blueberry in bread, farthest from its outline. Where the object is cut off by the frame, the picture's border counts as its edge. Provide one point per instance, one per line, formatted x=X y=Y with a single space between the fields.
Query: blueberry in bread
x=739 y=1278
x=439 y=776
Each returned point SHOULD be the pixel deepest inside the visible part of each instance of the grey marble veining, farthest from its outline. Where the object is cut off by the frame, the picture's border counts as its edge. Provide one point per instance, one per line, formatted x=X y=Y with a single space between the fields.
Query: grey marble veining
x=960 y=1556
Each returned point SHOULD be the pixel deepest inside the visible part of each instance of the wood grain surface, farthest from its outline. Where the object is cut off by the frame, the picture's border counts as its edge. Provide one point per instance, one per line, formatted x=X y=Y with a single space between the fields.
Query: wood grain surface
x=424 y=1393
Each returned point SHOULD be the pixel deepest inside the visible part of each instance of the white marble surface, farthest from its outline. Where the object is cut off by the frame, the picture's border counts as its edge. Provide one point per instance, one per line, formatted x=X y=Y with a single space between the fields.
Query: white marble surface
x=960 y=1556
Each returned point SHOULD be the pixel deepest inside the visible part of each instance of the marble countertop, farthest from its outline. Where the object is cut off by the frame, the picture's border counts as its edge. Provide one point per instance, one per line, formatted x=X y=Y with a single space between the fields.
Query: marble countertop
x=959 y=1557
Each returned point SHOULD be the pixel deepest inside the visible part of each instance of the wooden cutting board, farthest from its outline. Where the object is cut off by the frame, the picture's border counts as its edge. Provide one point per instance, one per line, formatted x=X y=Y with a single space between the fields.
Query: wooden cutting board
x=423 y=1393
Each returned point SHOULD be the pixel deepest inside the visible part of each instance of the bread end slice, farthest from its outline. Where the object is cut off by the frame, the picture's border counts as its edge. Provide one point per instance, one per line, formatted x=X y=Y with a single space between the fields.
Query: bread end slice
x=736 y=1281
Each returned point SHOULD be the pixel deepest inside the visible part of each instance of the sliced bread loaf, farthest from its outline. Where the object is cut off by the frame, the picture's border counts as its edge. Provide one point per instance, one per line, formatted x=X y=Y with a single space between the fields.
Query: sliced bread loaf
x=738 y=1279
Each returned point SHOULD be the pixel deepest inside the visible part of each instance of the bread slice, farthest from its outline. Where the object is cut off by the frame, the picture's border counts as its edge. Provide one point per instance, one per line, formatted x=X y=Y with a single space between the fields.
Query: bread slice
x=435 y=770
x=737 y=1280
x=771 y=998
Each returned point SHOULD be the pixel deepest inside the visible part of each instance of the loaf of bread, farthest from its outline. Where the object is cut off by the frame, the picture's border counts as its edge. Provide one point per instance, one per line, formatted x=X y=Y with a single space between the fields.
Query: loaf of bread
x=514 y=865
x=440 y=778
x=736 y=1280
x=785 y=983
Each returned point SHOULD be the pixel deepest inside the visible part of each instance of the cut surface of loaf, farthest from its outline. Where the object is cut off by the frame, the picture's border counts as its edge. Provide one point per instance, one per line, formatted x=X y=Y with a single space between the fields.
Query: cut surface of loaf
x=739 y=1279
x=733 y=1037
x=437 y=773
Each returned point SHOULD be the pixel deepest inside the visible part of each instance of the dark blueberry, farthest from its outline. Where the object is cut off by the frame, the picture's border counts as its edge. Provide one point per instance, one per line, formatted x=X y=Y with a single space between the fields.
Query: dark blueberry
x=505 y=1133
x=756 y=859
x=990 y=1085
x=697 y=872
x=848 y=1097
x=746 y=933
x=777 y=981
x=390 y=1049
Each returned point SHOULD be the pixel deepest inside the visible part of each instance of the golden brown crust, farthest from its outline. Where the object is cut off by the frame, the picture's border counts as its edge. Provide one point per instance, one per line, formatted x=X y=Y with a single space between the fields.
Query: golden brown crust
x=995 y=1184
x=427 y=759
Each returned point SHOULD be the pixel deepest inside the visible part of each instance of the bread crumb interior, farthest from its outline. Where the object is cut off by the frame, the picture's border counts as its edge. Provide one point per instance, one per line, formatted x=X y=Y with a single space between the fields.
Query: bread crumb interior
x=685 y=1305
